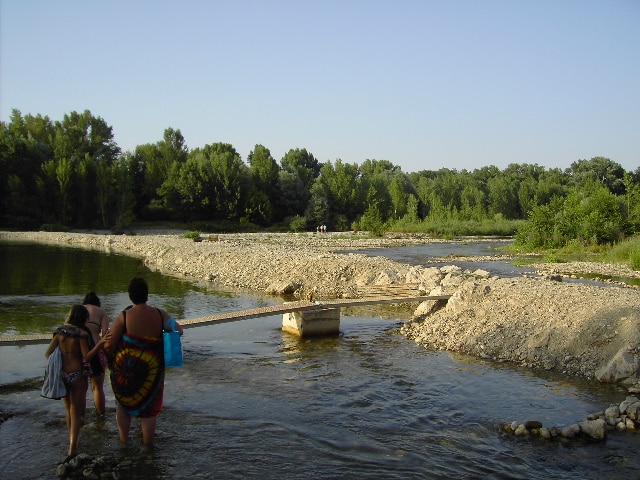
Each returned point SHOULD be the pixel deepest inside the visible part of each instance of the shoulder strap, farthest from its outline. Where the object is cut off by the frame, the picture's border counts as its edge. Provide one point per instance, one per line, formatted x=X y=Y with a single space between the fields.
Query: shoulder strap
x=124 y=318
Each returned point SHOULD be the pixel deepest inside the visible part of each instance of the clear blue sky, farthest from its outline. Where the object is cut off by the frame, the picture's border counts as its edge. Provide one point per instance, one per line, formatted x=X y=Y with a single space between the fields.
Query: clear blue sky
x=424 y=84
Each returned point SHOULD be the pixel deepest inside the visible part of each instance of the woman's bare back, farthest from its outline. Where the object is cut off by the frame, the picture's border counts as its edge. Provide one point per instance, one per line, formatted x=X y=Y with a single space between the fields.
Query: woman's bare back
x=71 y=353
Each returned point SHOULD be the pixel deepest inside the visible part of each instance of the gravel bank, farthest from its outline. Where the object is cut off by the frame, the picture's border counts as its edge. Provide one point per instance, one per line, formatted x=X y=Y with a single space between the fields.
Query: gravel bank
x=256 y=262
x=575 y=328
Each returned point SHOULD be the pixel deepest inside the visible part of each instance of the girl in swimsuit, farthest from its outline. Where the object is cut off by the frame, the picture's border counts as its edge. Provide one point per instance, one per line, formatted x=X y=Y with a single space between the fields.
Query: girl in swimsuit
x=98 y=325
x=72 y=338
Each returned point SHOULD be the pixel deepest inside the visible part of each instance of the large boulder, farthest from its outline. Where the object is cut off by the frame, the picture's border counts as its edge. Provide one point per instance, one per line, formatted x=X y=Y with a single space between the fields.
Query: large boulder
x=594 y=429
x=623 y=368
x=427 y=307
x=469 y=293
x=427 y=277
x=282 y=288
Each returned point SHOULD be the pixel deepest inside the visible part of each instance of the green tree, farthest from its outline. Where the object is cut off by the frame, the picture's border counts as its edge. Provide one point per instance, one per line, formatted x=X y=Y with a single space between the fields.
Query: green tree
x=472 y=202
x=371 y=220
x=342 y=186
x=601 y=169
x=23 y=204
x=399 y=196
x=172 y=149
x=318 y=209
x=265 y=191
x=632 y=202
x=502 y=198
x=227 y=180
x=551 y=183
x=304 y=164
x=294 y=197
x=152 y=164
x=79 y=142
x=64 y=170
x=375 y=188
x=183 y=192
x=412 y=209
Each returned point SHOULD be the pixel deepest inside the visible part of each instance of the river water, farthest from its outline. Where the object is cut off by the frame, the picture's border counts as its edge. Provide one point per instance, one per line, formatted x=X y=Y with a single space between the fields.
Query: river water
x=254 y=402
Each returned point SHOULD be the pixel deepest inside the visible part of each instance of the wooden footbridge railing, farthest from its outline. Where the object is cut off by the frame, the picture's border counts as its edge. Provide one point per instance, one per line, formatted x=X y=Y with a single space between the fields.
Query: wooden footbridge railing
x=235 y=316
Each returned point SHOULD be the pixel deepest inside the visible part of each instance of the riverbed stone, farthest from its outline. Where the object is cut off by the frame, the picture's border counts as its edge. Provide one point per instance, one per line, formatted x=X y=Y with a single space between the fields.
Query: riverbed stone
x=481 y=273
x=630 y=400
x=623 y=366
x=633 y=411
x=532 y=424
x=570 y=431
x=466 y=294
x=282 y=288
x=429 y=277
x=387 y=277
x=521 y=430
x=594 y=429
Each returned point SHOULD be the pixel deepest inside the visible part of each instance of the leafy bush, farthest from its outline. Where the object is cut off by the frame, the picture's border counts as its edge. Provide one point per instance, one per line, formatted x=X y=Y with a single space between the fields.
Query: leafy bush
x=634 y=256
x=591 y=216
x=298 y=224
x=194 y=234
x=371 y=220
x=627 y=251
x=451 y=227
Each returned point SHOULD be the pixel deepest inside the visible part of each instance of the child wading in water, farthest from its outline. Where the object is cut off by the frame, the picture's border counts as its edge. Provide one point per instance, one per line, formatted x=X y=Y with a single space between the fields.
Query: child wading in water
x=73 y=340
x=98 y=325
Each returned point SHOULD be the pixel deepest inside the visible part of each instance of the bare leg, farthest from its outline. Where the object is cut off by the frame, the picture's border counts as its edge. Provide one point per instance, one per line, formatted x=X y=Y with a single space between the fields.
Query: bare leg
x=97 y=387
x=148 y=426
x=124 y=423
x=67 y=407
x=76 y=400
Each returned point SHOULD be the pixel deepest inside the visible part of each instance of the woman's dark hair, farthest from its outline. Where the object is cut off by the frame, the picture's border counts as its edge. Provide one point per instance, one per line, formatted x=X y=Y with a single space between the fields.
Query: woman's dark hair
x=78 y=316
x=91 y=299
x=138 y=290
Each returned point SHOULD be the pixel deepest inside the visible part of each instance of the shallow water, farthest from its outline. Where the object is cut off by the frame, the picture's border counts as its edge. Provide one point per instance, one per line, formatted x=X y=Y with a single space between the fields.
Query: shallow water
x=459 y=252
x=254 y=402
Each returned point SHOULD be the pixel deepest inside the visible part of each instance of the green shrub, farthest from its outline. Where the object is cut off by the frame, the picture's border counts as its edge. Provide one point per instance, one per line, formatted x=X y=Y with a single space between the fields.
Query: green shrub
x=298 y=224
x=371 y=220
x=634 y=254
x=194 y=234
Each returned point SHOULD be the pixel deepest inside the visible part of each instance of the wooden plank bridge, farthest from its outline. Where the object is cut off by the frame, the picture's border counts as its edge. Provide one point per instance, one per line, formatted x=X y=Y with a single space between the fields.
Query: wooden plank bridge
x=235 y=316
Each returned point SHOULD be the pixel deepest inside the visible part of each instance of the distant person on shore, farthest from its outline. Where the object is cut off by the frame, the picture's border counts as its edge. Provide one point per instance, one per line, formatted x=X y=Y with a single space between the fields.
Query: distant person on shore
x=98 y=325
x=136 y=352
x=73 y=338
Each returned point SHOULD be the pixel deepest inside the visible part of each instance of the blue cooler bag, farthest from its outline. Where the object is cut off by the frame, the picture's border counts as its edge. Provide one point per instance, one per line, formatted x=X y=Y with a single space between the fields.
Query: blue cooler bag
x=172 y=346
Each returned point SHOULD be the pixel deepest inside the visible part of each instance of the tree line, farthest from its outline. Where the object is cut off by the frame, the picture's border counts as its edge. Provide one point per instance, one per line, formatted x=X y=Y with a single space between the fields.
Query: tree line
x=70 y=173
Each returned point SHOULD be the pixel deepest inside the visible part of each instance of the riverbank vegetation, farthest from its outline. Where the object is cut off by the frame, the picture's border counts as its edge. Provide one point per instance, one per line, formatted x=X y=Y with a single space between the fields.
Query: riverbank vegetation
x=625 y=251
x=70 y=174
